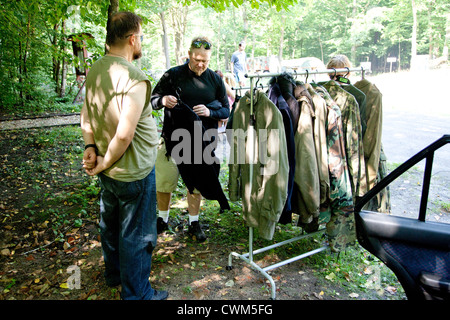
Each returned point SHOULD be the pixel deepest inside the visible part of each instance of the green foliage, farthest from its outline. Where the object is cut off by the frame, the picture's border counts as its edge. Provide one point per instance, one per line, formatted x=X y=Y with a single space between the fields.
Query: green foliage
x=223 y=5
x=34 y=37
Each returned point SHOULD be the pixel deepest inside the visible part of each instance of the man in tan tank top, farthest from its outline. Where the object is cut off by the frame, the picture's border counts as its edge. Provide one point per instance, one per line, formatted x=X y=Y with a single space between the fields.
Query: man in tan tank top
x=120 y=148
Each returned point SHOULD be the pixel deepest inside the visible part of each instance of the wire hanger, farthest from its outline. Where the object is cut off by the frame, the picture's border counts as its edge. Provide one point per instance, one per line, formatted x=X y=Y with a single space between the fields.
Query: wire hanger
x=256 y=85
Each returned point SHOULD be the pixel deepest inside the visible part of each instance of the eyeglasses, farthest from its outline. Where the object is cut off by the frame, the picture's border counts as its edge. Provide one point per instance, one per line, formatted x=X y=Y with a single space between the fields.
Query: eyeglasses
x=141 y=36
x=199 y=43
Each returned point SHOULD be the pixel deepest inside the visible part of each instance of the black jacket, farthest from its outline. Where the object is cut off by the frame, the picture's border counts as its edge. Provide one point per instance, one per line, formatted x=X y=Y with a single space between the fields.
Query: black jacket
x=275 y=95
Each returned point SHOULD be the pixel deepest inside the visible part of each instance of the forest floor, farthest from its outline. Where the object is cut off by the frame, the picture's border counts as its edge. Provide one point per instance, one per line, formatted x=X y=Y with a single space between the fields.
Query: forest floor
x=49 y=235
x=50 y=247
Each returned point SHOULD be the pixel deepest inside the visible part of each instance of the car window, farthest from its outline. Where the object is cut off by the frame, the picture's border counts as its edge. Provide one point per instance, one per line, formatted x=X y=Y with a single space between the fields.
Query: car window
x=406 y=191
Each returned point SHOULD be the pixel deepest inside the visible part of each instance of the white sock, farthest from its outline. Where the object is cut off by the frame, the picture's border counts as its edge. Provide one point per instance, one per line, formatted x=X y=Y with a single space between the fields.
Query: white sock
x=164 y=215
x=193 y=218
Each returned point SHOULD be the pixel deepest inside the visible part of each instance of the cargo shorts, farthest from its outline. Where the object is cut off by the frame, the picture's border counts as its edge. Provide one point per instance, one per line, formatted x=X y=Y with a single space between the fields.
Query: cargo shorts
x=166 y=171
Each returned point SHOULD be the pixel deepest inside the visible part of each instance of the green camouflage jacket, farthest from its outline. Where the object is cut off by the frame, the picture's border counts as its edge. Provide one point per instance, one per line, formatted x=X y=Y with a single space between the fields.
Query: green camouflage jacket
x=338 y=213
x=351 y=124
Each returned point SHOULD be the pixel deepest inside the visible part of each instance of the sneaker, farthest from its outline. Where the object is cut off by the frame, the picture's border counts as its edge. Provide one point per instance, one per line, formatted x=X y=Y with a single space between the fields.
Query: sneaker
x=195 y=230
x=161 y=226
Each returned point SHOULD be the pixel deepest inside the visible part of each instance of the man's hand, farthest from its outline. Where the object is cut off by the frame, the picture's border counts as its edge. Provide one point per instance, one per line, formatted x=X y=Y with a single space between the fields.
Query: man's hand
x=201 y=110
x=169 y=101
x=89 y=158
x=98 y=168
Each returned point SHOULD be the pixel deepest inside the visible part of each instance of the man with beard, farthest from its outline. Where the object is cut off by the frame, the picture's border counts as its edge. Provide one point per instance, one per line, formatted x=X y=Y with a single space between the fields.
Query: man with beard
x=121 y=138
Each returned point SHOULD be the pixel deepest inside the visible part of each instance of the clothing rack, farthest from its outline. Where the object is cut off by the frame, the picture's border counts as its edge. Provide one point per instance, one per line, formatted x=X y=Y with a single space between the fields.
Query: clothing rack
x=248 y=257
x=247 y=88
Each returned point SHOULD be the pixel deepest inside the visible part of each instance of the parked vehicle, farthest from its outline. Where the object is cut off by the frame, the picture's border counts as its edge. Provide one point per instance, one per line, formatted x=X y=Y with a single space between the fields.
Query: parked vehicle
x=303 y=64
x=263 y=64
x=417 y=251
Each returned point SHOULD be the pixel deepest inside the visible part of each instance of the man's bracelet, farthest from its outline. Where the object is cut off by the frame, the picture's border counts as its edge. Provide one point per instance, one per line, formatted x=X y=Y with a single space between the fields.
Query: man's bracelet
x=91 y=146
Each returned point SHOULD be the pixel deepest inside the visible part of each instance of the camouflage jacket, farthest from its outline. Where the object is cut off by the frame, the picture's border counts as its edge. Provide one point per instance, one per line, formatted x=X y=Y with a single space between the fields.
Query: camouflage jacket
x=351 y=125
x=340 y=225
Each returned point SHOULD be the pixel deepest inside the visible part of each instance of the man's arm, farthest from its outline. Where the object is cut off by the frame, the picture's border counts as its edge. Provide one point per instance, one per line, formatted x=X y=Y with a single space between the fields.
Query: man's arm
x=90 y=155
x=221 y=96
x=133 y=105
x=232 y=62
x=162 y=95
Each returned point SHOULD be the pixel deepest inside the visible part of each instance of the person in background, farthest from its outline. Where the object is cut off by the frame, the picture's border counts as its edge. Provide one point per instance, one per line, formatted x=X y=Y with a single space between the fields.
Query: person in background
x=239 y=64
x=229 y=84
x=120 y=138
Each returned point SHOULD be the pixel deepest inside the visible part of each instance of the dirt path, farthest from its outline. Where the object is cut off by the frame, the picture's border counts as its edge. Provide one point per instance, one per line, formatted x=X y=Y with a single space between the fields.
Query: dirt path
x=39 y=122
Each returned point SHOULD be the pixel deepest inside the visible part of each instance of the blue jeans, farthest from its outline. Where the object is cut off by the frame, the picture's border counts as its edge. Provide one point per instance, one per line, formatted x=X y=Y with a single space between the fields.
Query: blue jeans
x=128 y=233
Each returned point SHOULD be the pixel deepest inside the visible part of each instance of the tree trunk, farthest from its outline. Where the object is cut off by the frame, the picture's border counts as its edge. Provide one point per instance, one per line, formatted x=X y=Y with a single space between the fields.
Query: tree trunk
x=245 y=22
x=353 y=50
x=179 y=21
x=280 y=48
x=447 y=39
x=55 y=60
x=62 y=91
x=414 y=35
x=165 y=40
x=113 y=8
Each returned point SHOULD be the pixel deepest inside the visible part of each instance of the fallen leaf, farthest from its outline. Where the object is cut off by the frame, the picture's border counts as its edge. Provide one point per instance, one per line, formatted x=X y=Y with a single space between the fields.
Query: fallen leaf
x=229 y=283
x=318 y=296
x=391 y=290
x=44 y=287
x=347 y=276
x=331 y=276
x=368 y=270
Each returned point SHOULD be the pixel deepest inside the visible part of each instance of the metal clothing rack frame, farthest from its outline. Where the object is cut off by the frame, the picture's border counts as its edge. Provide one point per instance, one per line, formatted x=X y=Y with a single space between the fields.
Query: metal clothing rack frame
x=248 y=257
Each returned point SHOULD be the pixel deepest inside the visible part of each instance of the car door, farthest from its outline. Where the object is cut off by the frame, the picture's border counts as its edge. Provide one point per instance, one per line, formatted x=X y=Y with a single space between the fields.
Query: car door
x=416 y=250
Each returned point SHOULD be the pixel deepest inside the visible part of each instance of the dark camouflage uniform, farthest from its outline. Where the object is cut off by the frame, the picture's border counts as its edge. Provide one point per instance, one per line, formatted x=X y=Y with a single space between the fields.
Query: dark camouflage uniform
x=339 y=215
x=341 y=226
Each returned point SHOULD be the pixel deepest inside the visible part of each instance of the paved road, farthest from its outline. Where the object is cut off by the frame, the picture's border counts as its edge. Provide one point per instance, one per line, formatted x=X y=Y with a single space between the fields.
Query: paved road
x=405 y=134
